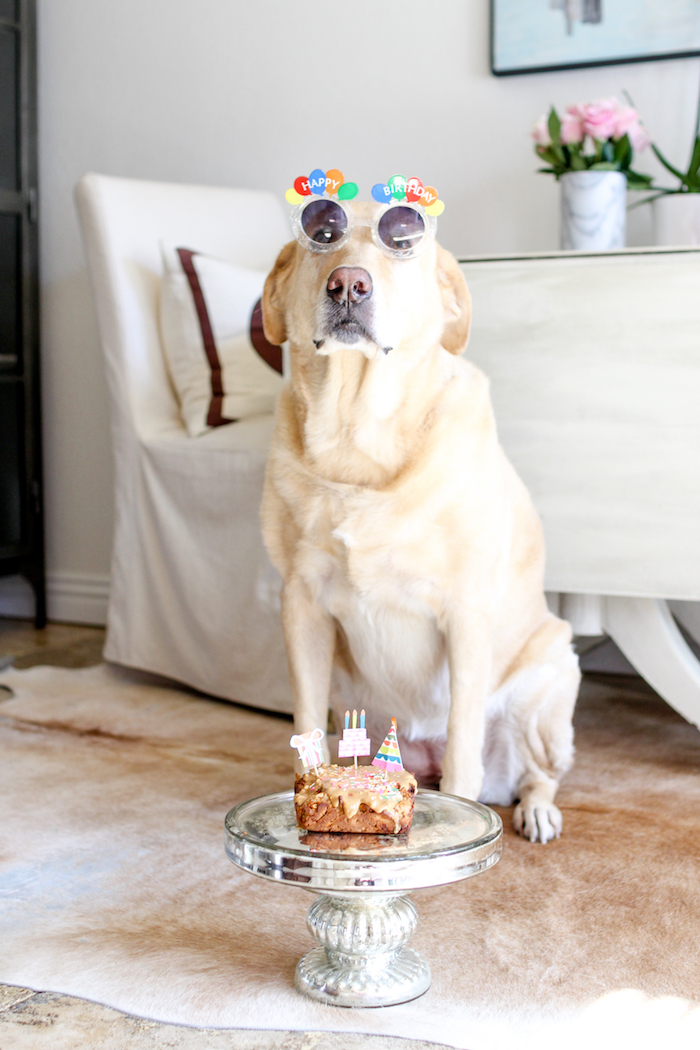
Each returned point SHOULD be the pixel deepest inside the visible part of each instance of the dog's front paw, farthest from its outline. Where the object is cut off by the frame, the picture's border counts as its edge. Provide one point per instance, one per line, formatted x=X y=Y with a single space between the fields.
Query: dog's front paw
x=537 y=820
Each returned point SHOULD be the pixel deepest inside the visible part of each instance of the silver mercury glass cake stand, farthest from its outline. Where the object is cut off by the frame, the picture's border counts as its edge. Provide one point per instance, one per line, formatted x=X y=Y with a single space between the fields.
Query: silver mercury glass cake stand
x=362 y=919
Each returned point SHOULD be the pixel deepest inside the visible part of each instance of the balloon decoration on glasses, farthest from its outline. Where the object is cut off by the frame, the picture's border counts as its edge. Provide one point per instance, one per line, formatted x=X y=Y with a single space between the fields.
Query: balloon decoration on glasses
x=410 y=190
x=402 y=229
x=320 y=182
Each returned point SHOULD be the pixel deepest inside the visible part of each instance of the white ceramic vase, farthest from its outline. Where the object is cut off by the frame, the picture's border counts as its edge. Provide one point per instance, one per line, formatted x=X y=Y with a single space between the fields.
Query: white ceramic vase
x=677 y=219
x=593 y=211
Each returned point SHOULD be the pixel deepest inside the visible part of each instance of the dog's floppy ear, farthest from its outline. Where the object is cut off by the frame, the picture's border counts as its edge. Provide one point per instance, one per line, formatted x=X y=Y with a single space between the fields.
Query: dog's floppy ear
x=274 y=297
x=456 y=300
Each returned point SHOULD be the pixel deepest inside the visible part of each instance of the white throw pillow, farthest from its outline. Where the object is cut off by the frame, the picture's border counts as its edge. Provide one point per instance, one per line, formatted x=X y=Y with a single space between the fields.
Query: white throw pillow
x=222 y=367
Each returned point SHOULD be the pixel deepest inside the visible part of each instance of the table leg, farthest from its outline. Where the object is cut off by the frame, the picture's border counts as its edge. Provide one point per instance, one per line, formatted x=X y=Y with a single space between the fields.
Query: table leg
x=688 y=615
x=362 y=958
x=647 y=634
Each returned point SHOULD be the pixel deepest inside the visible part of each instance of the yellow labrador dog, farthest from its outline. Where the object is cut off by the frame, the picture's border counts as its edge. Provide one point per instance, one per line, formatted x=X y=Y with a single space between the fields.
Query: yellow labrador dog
x=411 y=556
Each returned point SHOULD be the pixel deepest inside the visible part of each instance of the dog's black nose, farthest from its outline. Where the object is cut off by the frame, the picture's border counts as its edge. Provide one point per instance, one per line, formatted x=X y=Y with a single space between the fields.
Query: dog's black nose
x=349 y=284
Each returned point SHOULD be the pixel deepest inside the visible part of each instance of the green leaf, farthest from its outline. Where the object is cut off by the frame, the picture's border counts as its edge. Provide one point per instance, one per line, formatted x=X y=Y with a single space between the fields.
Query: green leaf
x=554 y=125
x=548 y=155
x=604 y=166
x=639 y=176
x=623 y=152
x=638 y=181
x=654 y=197
x=578 y=163
x=669 y=167
x=558 y=152
x=608 y=152
x=694 y=160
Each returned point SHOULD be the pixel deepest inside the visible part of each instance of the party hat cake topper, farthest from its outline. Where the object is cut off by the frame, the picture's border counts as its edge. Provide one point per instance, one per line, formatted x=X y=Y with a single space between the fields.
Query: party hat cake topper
x=410 y=190
x=319 y=182
x=355 y=741
x=309 y=747
x=389 y=756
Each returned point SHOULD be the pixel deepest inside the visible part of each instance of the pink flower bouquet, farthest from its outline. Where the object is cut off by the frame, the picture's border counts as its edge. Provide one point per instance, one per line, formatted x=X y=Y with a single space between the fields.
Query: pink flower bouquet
x=597 y=136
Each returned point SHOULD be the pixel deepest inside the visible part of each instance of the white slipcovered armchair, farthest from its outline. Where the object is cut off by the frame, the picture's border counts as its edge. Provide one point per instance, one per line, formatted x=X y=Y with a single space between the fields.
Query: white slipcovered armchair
x=193 y=594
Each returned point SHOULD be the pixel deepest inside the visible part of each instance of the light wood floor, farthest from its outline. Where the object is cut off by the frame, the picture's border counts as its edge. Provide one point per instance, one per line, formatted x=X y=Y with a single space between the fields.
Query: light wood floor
x=58 y=644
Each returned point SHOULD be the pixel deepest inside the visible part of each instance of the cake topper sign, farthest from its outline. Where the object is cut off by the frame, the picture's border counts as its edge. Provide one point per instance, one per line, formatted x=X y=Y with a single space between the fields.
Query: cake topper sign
x=355 y=741
x=309 y=747
x=389 y=755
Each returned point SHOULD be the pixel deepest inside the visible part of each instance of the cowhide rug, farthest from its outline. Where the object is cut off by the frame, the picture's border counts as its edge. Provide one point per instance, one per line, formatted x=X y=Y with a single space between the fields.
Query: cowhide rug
x=114 y=885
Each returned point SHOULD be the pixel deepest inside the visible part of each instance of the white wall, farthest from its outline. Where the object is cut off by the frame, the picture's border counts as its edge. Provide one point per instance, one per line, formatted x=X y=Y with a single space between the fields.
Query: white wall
x=253 y=93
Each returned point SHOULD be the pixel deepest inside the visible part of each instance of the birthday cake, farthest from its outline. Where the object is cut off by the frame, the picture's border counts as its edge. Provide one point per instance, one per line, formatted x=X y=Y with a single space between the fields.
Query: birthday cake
x=341 y=798
x=352 y=841
x=376 y=799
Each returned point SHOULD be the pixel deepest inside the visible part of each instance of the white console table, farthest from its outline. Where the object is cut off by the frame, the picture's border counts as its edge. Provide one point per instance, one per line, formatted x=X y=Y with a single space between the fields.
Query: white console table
x=594 y=362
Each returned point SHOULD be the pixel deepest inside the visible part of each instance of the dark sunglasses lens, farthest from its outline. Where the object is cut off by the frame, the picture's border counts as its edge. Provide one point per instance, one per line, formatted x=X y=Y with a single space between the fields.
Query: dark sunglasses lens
x=401 y=228
x=324 y=222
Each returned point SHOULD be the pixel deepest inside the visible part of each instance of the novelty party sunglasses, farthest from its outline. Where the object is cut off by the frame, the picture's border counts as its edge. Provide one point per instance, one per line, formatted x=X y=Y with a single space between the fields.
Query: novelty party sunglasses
x=401 y=231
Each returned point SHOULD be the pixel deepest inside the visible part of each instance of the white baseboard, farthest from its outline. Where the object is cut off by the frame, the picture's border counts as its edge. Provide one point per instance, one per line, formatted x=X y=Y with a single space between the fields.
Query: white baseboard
x=71 y=597
x=77 y=597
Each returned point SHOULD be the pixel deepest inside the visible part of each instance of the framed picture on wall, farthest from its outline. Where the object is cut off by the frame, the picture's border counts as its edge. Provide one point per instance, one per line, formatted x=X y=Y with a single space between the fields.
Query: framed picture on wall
x=532 y=36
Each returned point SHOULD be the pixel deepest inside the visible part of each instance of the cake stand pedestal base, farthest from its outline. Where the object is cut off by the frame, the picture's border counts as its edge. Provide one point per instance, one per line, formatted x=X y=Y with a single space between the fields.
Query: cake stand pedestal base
x=362 y=921
x=362 y=958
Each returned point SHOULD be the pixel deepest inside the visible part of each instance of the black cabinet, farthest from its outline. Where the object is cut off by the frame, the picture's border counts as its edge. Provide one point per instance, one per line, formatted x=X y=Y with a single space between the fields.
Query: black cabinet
x=21 y=503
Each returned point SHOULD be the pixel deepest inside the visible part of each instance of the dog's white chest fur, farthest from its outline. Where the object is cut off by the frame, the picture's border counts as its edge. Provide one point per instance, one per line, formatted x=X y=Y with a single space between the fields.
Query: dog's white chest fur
x=388 y=615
